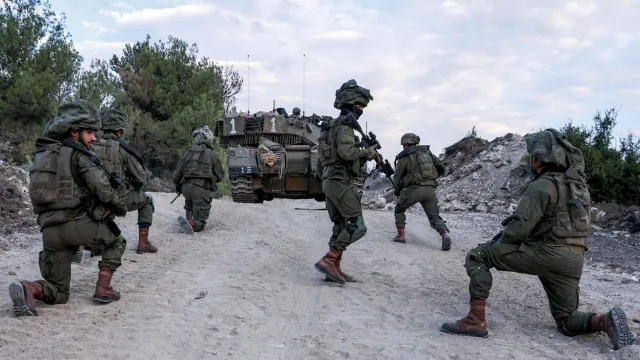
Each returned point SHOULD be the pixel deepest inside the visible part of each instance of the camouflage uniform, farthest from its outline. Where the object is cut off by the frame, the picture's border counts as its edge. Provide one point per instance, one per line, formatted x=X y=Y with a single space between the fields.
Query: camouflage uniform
x=118 y=157
x=340 y=161
x=546 y=237
x=416 y=173
x=73 y=199
x=196 y=176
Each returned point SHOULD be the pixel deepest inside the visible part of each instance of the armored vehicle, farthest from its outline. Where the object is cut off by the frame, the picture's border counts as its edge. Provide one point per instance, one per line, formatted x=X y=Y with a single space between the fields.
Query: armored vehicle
x=271 y=155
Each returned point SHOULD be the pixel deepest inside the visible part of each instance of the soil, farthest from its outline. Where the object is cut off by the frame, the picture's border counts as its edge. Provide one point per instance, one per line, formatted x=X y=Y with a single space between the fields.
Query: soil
x=246 y=288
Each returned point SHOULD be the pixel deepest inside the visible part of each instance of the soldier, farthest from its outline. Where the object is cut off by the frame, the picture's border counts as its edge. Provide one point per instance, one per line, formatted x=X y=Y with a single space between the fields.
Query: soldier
x=547 y=237
x=196 y=176
x=341 y=179
x=296 y=112
x=117 y=156
x=417 y=170
x=74 y=199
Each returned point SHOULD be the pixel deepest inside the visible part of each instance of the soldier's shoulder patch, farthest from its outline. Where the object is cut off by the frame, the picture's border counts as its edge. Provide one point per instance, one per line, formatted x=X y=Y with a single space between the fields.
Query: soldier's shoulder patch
x=348 y=131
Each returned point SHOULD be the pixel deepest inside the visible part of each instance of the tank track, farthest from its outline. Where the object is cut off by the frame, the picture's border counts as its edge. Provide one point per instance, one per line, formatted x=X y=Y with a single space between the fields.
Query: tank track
x=241 y=191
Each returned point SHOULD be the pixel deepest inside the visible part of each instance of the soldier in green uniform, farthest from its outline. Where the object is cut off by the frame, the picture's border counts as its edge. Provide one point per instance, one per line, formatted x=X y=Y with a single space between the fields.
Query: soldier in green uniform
x=196 y=177
x=342 y=182
x=416 y=172
x=546 y=237
x=296 y=112
x=118 y=157
x=74 y=200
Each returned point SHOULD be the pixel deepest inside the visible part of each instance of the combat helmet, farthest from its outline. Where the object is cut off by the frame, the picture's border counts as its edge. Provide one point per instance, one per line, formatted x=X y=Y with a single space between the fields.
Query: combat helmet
x=77 y=115
x=296 y=111
x=350 y=93
x=112 y=119
x=410 y=139
x=203 y=135
x=553 y=147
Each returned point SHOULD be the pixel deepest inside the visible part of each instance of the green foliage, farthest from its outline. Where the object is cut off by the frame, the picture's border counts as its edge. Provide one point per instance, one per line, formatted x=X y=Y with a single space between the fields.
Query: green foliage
x=37 y=66
x=613 y=174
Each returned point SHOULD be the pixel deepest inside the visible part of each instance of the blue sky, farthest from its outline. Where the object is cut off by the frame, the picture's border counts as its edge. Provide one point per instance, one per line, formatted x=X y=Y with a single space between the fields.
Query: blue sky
x=435 y=68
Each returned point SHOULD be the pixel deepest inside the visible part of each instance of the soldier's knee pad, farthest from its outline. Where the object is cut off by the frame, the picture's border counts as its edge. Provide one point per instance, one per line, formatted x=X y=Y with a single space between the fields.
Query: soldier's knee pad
x=356 y=227
x=474 y=261
x=149 y=200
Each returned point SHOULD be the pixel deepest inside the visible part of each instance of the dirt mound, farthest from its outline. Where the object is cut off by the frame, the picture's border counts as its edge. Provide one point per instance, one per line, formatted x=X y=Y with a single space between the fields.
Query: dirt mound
x=480 y=176
x=15 y=206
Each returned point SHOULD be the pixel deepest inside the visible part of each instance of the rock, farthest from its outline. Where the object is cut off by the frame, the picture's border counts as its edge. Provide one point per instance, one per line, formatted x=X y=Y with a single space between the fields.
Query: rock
x=475 y=176
x=445 y=206
x=458 y=206
x=381 y=202
x=482 y=207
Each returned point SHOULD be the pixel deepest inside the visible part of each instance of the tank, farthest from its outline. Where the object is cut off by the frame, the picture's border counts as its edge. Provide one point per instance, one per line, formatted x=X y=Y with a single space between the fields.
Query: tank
x=271 y=155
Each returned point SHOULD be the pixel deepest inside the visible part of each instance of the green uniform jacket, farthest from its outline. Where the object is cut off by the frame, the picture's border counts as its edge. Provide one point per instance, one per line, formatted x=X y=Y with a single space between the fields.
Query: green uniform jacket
x=88 y=176
x=537 y=206
x=134 y=172
x=348 y=164
x=204 y=178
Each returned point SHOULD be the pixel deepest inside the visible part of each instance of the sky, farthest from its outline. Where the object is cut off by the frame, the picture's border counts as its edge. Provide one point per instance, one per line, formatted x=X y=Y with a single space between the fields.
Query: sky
x=434 y=68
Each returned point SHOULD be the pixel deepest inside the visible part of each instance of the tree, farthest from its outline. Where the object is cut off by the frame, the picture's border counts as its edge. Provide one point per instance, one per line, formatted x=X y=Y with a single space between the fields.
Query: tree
x=99 y=84
x=38 y=64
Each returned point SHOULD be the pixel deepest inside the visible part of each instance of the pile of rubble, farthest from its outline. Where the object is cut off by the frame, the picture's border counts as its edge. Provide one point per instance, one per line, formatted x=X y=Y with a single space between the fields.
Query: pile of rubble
x=15 y=205
x=480 y=176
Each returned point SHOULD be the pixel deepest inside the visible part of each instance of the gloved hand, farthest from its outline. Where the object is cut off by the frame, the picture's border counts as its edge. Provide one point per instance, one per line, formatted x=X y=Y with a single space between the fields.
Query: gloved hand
x=370 y=153
x=120 y=209
x=179 y=188
x=397 y=192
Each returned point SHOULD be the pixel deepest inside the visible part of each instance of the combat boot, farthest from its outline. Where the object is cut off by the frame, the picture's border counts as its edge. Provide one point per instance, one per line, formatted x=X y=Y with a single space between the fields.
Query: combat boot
x=24 y=295
x=144 y=246
x=189 y=214
x=614 y=324
x=327 y=266
x=187 y=225
x=446 y=240
x=400 y=237
x=474 y=324
x=346 y=277
x=104 y=291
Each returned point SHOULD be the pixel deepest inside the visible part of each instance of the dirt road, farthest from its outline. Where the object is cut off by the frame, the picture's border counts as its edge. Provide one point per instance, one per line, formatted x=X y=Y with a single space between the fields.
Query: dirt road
x=266 y=301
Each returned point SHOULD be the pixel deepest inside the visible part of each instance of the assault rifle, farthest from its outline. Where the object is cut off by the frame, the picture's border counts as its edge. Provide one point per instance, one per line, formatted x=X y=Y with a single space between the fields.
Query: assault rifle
x=382 y=165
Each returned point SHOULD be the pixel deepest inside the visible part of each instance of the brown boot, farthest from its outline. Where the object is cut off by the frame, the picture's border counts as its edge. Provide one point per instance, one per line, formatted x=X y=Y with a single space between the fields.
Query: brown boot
x=187 y=225
x=346 y=277
x=24 y=295
x=104 y=291
x=614 y=323
x=400 y=237
x=189 y=214
x=446 y=240
x=474 y=324
x=327 y=266
x=144 y=246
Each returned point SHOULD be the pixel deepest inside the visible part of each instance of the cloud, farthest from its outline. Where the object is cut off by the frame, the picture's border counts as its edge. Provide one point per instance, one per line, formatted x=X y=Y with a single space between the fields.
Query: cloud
x=434 y=67
x=96 y=27
x=151 y=16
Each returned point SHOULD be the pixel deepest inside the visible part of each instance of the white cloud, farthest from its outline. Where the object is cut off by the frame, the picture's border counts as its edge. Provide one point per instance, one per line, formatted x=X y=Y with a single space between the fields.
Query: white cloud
x=150 y=16
x=454 y=9
x=339 y=35
x=96 y=27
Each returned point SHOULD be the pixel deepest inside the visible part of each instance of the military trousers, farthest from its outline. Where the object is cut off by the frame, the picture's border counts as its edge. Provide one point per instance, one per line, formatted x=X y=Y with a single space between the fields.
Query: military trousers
x=343 y=200
x=61 y=242
x=426 y=196
x=198 y=200
x=138 y=200
x=558 y=268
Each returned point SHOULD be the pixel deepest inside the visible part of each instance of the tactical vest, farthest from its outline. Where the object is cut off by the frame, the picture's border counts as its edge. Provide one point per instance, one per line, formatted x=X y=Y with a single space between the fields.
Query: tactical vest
x=51 y=183
x=199 y=164
x=108 y=150
x=328 y=149
x=572 y=220
x=423 y=171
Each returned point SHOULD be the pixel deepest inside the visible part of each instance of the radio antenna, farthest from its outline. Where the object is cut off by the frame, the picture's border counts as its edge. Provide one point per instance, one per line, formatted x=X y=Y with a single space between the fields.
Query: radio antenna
x=304 y=75
x=248 y=72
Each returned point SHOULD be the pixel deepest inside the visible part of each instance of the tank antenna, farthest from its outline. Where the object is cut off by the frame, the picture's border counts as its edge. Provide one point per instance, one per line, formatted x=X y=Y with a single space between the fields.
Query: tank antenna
x=248 y=72
x=304 y=74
